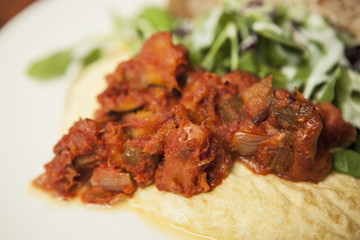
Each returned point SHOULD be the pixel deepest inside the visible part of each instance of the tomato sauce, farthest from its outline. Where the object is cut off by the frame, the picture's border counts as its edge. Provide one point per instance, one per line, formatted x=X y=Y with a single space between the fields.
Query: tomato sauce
x=163 y=121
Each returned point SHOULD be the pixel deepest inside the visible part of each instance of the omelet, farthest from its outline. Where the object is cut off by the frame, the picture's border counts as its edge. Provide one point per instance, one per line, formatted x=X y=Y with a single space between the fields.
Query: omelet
x=245 y=205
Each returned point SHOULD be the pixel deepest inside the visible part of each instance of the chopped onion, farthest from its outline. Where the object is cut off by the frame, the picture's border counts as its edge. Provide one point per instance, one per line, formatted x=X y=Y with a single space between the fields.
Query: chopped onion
x=246 y=144
x=111 y=179
x=83 y=161
x=132 y=155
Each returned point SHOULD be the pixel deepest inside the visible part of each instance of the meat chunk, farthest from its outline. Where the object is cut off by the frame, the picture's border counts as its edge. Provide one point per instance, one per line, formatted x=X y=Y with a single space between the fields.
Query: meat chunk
x=239 y=80
x=141 y=164
x=127 y=154
x=257 y=99
x=295 y=152
x=195 y=161
x=336 y=131
x=146 y=80
x=76 y=154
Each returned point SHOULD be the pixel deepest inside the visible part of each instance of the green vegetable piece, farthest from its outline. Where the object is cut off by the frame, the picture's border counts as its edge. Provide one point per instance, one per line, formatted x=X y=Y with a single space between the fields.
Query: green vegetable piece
x=205 y=32
x=282 y=160
x=52 y=66
x=279 y=81
x=247 y=61
x=302 y=73
x=356 y=146
x=284 y=155
x=234 y=56
x=160 y=18
x=348 y=162
x=347 y=96
x=154 y=19
x=274 y=33
x=229 y=32
x=92 y=56
x=327 y=92
x=231 y=108
x=325 y=51
x=208 y=61
x=268 y=50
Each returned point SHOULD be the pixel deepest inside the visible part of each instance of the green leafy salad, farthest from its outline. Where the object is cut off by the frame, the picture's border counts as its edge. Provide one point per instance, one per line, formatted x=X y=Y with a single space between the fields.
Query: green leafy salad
x=299 y=48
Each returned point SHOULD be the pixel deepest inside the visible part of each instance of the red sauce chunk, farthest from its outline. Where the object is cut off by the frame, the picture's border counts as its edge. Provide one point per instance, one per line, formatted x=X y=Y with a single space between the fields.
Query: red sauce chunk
x=165 y=122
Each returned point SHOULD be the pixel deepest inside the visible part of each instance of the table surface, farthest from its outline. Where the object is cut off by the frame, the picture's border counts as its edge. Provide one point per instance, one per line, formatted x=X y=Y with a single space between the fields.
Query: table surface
x=9 y=8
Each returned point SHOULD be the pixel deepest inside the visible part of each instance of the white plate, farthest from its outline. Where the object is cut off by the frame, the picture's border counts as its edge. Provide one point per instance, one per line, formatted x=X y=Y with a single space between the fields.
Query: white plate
x=31 y=113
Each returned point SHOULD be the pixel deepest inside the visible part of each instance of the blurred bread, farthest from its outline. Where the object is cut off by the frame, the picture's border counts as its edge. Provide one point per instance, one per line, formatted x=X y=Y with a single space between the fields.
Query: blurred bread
x=342 y=13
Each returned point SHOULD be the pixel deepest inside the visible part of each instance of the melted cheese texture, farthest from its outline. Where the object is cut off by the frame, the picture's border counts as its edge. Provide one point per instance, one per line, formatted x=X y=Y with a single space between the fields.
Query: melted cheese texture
x=245 y=205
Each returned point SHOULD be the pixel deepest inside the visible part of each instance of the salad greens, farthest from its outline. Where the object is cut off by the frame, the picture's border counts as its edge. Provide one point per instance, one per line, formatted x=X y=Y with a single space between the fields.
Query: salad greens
x=300 y=49
x=57 y=64
x=52 y=66
x=92 y=56
x=153 y=19
x=347 y=161
x=130 y=33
